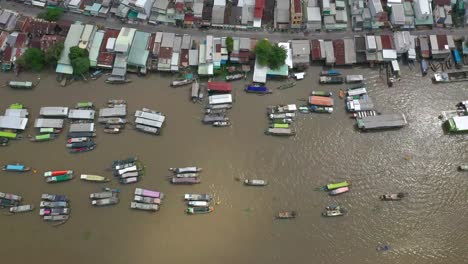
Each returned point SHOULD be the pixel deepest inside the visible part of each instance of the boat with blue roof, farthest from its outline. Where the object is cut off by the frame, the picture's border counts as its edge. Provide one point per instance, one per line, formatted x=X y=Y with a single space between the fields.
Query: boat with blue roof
x=16 y=168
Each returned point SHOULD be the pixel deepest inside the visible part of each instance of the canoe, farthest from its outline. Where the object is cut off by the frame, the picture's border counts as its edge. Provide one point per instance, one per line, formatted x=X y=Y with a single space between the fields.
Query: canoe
x=199 y=210
x=197 y=197
x=186 y=169
x=54 y=197
x=94 y=178
x=21 y=208
x=148 y=200
x=8 y=203
x=83 y=149
x=255 y=182
x=54 y=211
x=16 y=168
x=101 y=195
x=198 y=203
x=129 y=180
x=333 y=186
x=10 y=196
x=60 y=178
x=53 y=204
x=189 y=180
x=57 y=173
x=78 y=139
x=187 y=175
x=339 y=191
x=286 y=215
x=106 y=201
x=145 y=207
x=221 y=124
x=55 y=218
x=84 y=144
x=392 y=197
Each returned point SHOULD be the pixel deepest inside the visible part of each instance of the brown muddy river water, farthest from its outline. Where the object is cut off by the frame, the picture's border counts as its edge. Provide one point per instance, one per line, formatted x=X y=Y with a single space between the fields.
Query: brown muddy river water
x=428 y=226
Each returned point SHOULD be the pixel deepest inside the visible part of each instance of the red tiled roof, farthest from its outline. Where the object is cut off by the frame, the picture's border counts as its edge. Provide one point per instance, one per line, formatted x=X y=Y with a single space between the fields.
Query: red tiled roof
x=48 y=40
x=387 y=42
x=441 y=41
x=21 y=40
x=259 y=6
x=105 y=59
x=35 y=43
x=3 y=38
x=110 y=33
x=165 y=53
x=315 y=47
x=297 y=6
x=339 y=49
x=7 y=54
x=22 y=23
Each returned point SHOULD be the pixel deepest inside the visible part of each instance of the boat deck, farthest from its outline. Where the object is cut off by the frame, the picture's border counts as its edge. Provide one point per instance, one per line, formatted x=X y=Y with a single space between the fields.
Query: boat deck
x=382 y=121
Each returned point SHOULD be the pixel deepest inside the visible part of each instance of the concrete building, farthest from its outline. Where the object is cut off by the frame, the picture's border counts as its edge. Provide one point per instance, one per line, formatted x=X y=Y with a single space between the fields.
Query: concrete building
x=124 y=40
x=282 y=14
x=296 y=14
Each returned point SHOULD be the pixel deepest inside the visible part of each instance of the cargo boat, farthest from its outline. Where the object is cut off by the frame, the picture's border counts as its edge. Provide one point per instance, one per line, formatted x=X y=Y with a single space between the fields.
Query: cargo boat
x=21 y=208
x=331 y=80
x=333 y=186
x=330 y=73
x=61 y=178
x=177 y=83
x=105 y=201
x=197 y=197
x=54 y=197
x=384 y=121
x=43 y=137
x=16 y=168
x=149 y=193
x=199 y=210
x=57 y=204
x=101 y=195
x=447 y=77
x=143 y=206
x=257 y=89
x=186 y=170
x=279 y=132
x=188 y=180
x=94 y=178
x=148 y=200
x=255 y=182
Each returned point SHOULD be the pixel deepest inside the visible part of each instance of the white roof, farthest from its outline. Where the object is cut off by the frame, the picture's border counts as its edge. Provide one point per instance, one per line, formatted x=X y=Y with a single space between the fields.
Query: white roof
x=286 y=46
x=370 y=43
x=82 y=127
x=13 y=122
x=389 y=54
x=16 y=112
x=53 y=111
x=260 y=73
x=110 y=44
x=115 y=111
x=219 y=2
x=395 y=65
x=220 y=99
x=125 y=39
x=461 y=122
x=48 y=122
x=81 y=114
x=149 y=115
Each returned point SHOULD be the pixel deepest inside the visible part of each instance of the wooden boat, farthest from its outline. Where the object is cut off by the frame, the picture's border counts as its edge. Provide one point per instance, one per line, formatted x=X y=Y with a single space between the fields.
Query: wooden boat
x=129 y=180
x=286 y=85
x=283 y=120
x=112 y=120
x=81 y=134
x=198 y=203
x=278 y=125
x=286 y=215
x=392 y=197
x=446 y=77
x=8 y=203
x=16 y=168
x=463 y=167
x=339 y=191
x=95 y=75
x=186 y=170
x=221 y=124
x=333 y=186
x=357 y=78
x=282 y=109
x=4 y=142
x=148 y=193
x=197 y=197
x=120 y=164
x=211 y=118
x=101 y=195
x=84 y=144
x=257 y=89
x=177 y=83
x=49 y=130
x=424 y=67
x=78 y=140
x=330 y=73
x=303 y=109
x=199 y=210
x=112 y=130
x=83 y=149
x=129 y=174
x=61 y=178
x=84 y=105
x=188 y=180
x=20 y=85
x=10 y=196
x=322 y=93
x=282 y=115
x=54 y=197
x=187 y=175
x=234 y=77
x=105 y=201
x=42 y=137
x=148 y=200
x=148 y=129
x=219 y=106
x=255 y=182
x=116 y=101
x=56 y=218
x=321 y=109
x=111 y=126
x=143 y=206
x=54 y=211
x=331 y=80
x=94 y=178
x=280 y=132
x=21 y=208
x=332 y=213
x=117 y=80
x=127 y=169
x=53 y=204
x=57 y=173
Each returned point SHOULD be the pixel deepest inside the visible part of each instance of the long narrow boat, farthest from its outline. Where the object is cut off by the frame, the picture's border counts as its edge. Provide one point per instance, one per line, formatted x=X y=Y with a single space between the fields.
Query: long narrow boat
x=199 y=210
x=53 y=204
x=108 y=189
x=8 y=203
x=255 y=182
x=49 y=130
x=21 y=208
x=339 y=191
x=198 y=203
x=129 y=180
x=101 y=195
x=149 y=193
x=78 y=139
x=330 y=73
x=257 y=89
x=286 y=215
x=16 y=168
x=189 y=180
x=81 y=144
x=148 y=200
x=130 y=174
x=234 y=77
x=57 y=173
x=392 y=197
x=187 y=175
x=279 y=132
x=463 y=167
x=143 y=206
x=94 y=178
x=286 y=85
x=54 y=211
x=186 y=169
x=106 y=201
x=61 y=178
x=10 y=196
x=54 y=197
x=112 y=130
x=83 y=149
x=197 y=197
x=81 y=134
x=333 y=186
x=183 y=82
x=56 y=218
x=43 y=137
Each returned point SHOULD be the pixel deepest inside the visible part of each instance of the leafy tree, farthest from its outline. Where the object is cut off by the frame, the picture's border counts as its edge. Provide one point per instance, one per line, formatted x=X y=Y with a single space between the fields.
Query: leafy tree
x=229 y=44
x=32 y=58
x=50 y=15
x=269 y=54
x=262 y=51
x=52 y=55
x=76 y=52
x=277 y=57
x=80 y=65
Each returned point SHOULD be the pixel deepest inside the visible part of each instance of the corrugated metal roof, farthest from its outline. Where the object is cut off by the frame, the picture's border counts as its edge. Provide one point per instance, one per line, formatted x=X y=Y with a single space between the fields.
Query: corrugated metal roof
x=329 y=52
x=350 y=51
x=124 y=40
x=313 y=14
x=138 y=55
x=95 y=48
x=73 y=37
x=193 y=57
x=186 y=42
x=387 y=41
x=315 y=46
x=167 y=40
x=339 y=51
x=300 y=47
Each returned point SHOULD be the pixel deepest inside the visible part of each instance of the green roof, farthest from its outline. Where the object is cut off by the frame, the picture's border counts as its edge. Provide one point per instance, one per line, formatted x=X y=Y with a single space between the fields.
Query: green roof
x=139 y=53
x=132 y=14
x=281 y=71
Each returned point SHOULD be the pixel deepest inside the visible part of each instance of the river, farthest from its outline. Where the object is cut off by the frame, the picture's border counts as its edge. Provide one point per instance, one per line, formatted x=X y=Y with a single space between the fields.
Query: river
x=427 y=226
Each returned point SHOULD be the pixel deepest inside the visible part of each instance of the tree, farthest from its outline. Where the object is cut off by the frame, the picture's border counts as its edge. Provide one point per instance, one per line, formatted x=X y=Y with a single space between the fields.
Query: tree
x=52 y=55
x=32 y=58
x=269 y=54
x=50 y=15
x=229 y=44
x=277 y=57
x=77 y=52
x=80 y=65
x=262 y=51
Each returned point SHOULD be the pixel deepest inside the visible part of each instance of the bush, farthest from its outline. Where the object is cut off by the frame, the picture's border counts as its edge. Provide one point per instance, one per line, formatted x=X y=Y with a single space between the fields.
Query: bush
x=32 y=58
x=52 y=55
x=50 y=15
x=269 y=54
x=80 y=65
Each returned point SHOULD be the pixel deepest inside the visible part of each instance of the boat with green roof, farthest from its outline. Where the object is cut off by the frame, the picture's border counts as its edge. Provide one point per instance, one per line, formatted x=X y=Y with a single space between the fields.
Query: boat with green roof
x=333 y=186
x=43 y=137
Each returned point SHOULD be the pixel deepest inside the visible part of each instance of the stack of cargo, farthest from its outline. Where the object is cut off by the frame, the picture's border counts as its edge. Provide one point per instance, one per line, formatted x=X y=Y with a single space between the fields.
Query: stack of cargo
x=108 y=197
x=128 y=171
x=58 y=176
x=281 y=118
x=149 y=121
x=198 y=203
x=359 y=102
x=321 y=102
x=219 y=102
x=14 y=120
x=54 y=208
x=186 y=175
x=50 y=123
x=146 y=200
x=82 y=130
x=113 y=117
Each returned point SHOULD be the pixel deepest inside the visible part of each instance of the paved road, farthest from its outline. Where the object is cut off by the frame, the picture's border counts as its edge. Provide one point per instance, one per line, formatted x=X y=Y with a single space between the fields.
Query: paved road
x=274 y=36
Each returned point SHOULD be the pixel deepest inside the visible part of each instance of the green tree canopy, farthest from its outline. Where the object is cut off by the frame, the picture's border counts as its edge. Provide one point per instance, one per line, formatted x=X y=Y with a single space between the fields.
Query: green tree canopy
x=32 y=58
x=76 y=52
x=80 y=65
x=50 y=15
x=52 y=55
x=229 y=44
x=269 y=54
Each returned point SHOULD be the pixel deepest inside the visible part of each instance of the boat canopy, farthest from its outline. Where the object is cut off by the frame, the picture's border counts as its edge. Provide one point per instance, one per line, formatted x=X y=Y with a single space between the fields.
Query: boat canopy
x=15 y=84
x=43 y=137
x=460 y=123
x=54 y=111
x=15 y=167
x=148 y=122
x=280 y=125
x=16 y=112
x=359 y=91
x=82 y=127
x=333 y=186
x=13 y=122
x=256 y=88
x=383 y=121
x=221 y=87
x=81 y=114
x=320 y=100
x=48 y=123
x=46 y=130
x=220 y=99
x=150 y=116
x=116 y=111
x=4 y=134
x=84 y=105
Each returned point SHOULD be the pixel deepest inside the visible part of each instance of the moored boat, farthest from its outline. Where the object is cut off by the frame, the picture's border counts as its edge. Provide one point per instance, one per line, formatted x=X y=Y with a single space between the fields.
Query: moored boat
x=331 y=213
x=54 y=197
x=8 y=203
x=183 y=82
x=148 y=193
x=234 y=77
x=105 y=201
x=21 y=208
x=129 y=180
x=148 y=200
x=333 y=186
x=112 y=130
x=16 y=168
x=48 y=130
x=101 y=195
x=199 y=210
x=188 y=180
x=57 y=173
x=53 y=204
x=198 y=203
x=61 y=178
x=197 y=197
x=255 y=182
x=392 y=197
x=331 y=80
x=330 y=73
x=321 y=109
x=321 y=93
x=81 y=134
x=257 y=89
x=82 y=149
x=187 y=175
x=143 y=206
x=339 y=191
x=129 y=174
x=10 y=196
x=84 y=105
x=94 y=178
x=4 y=141
x=463 y=167
x=54 y=211
x=221 y=124
x=280 y=132
x=286 y=215
x=186 y=169
x=78 y=140
x=83 y=144
x=56 y=218
x=287 y=85
x=42 y=137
